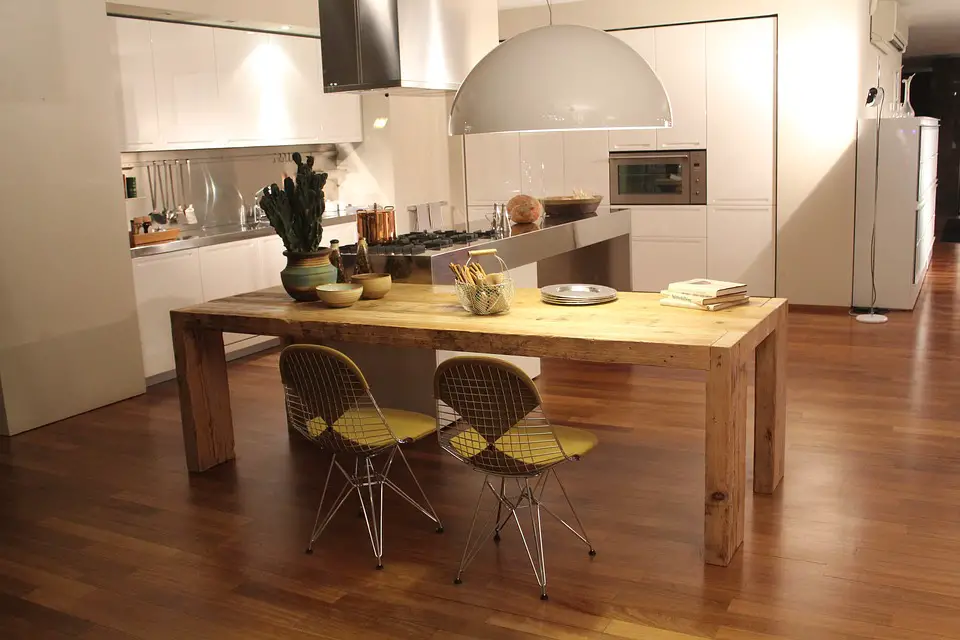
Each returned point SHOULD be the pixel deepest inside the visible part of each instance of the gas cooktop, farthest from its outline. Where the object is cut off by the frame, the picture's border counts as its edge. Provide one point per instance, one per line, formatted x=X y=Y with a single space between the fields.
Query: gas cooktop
x=411 y=244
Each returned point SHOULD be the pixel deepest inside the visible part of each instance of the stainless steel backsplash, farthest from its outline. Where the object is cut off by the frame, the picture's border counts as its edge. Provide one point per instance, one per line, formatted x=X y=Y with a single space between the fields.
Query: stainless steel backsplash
x=219 y=183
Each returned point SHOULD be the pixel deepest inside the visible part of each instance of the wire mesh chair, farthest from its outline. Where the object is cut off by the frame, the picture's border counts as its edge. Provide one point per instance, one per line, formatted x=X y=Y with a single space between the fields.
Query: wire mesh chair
x=329 y=401
x=489 y=415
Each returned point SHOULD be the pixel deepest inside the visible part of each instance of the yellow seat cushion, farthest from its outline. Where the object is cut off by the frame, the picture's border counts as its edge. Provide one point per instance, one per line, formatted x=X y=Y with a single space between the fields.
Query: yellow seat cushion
x=575 y=442
x=365 y=427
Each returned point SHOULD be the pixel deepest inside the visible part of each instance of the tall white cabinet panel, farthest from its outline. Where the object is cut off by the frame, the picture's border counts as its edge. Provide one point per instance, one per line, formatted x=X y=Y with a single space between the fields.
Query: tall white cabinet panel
x=586 y=163
x=493 y=167
x=742 y=247
x=682 y=67
x=542 y=164
x=163 y=283
x=741 y=121
x=656 y=262
x=132 y=49
x=340 y=114
x=187 y=88
x=228 y=270
x=643 y=41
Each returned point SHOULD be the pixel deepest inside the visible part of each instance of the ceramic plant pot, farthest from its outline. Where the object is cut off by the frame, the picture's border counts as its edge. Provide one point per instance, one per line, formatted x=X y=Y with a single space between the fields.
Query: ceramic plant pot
x=305 y=272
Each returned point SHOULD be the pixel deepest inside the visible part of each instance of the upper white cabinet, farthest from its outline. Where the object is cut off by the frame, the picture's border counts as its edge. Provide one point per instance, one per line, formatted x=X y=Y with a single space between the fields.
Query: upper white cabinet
x=741 y=247
x=542 y=164
x=163 y=283
x=741 y=122
x=586 y=163
x=268 y=88
x=242 y=59
x=681 y=64
x=138 y=90
x=191 y=87
x=643 y=41
x=188 y=94
x=493 y=167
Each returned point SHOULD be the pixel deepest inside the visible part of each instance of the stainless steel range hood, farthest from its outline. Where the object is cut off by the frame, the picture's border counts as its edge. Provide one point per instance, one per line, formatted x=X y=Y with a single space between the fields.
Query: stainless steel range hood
x=406 y=45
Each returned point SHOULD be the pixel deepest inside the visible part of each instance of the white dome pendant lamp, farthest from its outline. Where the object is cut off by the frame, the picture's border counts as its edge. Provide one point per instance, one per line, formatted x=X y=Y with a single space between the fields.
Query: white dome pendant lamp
x=558 y=78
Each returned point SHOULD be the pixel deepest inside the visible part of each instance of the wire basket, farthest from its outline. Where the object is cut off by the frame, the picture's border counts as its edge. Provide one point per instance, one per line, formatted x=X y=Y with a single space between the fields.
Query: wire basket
x=493 y=295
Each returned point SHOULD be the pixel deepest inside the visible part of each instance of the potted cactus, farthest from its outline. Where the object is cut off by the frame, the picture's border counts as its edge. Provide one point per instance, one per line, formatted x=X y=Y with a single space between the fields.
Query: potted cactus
x=296 y=214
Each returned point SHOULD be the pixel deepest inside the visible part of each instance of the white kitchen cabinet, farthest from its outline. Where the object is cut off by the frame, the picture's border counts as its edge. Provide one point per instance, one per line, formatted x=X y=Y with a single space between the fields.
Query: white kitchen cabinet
x=268 y=88
x=163 y=283
x=493 y=167
x=742 y=247
x=643 y=41
x=188 y=94
x=586 y=163
x=340 y=114
x=272 y=261
x=682 y=68
x=230 y=269
x=669 y=222
x=132 y=49
x=542 y=164
x=297 y=72
x=242 y=59
x=656 y=262
x=741 y=121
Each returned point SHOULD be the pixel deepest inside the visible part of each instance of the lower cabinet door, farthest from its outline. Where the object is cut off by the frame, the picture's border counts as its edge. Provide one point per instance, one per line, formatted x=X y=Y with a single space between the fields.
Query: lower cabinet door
x=656 y=262
x=742 y=247
x=228 y=270
x=272 y=261
x=163 y=283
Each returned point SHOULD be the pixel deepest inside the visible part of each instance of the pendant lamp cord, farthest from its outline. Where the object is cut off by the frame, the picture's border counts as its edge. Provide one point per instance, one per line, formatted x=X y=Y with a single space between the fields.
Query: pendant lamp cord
x=550 y=9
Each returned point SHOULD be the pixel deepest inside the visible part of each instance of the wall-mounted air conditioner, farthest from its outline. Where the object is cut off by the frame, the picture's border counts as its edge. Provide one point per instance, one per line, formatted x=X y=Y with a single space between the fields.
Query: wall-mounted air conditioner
x=888 y=29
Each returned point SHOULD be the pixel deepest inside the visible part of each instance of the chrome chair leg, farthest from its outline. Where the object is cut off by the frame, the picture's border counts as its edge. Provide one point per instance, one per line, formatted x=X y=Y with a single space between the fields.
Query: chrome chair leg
x=373 y=518
x=473 y=545
x=496 y=535
x=319 y=526
x=428 y=511
x=582 y=533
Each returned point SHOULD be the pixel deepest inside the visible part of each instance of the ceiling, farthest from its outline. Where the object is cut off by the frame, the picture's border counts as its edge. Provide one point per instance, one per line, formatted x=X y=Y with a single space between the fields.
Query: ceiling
x=934 y=26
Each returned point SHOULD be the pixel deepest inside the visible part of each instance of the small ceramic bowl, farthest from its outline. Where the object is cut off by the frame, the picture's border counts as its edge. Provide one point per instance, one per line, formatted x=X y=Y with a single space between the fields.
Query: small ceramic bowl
x=339 y=295
x=375 y=285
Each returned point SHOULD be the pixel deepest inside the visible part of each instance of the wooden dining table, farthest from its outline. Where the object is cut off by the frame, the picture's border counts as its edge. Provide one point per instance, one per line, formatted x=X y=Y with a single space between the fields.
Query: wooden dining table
x=635 y=329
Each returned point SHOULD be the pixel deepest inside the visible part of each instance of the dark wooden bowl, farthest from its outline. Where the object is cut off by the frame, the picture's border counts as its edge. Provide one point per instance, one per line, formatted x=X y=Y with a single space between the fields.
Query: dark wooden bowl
x=570 y=206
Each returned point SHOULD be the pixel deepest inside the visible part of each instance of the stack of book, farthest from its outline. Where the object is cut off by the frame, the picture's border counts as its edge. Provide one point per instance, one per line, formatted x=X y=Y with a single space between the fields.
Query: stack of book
x=704 y=294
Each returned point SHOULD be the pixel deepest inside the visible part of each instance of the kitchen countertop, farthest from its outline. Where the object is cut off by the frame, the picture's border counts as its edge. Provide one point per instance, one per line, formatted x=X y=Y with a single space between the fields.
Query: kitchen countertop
x=194 y=238
x=526 y=244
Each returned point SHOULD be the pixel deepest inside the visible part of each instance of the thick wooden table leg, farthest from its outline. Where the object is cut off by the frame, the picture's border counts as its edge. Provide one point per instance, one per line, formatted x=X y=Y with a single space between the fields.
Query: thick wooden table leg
x=725 y=454
x=204 y=395
x=770 y=414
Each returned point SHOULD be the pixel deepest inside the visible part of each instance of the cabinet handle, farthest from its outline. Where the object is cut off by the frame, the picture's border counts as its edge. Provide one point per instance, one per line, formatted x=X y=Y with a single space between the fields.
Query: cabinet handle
x=633 y=146
x=672 y=145
x=743 y=208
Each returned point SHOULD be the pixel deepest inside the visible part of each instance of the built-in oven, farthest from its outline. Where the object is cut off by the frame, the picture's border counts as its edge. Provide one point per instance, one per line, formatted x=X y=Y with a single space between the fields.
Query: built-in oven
x=655 y=177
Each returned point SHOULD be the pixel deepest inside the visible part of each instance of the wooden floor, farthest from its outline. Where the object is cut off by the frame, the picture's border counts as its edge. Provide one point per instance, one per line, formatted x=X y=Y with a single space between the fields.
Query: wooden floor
x=103 y=534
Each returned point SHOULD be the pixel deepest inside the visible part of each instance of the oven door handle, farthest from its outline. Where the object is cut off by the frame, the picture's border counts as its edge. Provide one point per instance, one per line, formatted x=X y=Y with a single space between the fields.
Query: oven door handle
x=646 y=155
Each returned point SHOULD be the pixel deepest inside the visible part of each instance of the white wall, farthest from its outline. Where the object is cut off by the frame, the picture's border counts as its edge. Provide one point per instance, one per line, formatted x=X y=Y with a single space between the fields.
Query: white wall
x=820 y=76
x=406 y=162
x=68 y=328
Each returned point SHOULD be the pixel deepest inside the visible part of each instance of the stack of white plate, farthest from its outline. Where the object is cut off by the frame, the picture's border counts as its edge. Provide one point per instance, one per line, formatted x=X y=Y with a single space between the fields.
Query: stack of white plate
x=577 y=295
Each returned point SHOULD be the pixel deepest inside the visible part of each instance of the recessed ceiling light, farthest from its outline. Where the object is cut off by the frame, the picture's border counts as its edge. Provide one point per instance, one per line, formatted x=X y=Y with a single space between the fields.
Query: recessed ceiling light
x=380 y=123
x=284 y=27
